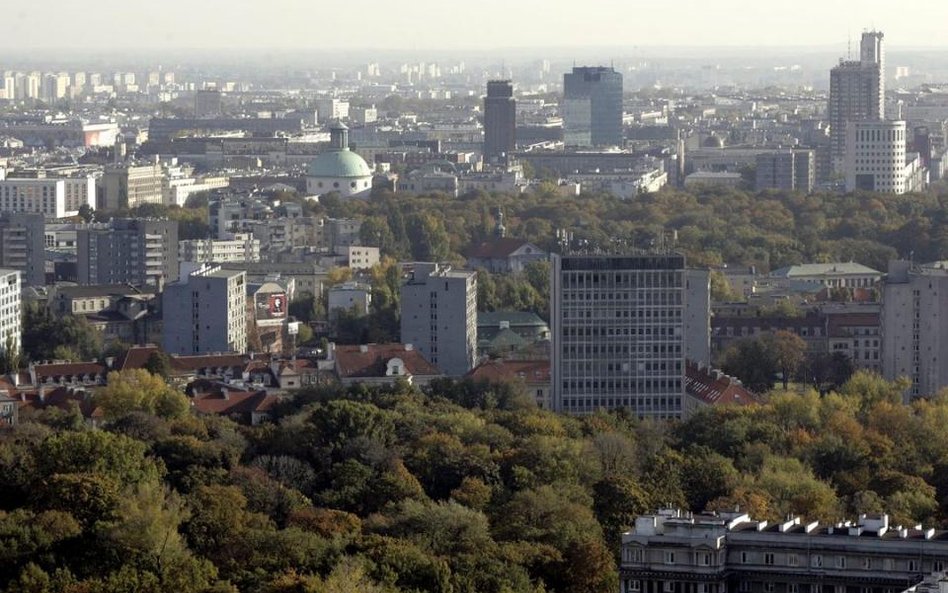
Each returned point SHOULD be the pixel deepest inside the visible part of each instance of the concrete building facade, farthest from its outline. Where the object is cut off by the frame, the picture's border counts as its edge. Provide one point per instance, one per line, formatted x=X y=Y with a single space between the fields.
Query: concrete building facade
x=619 y=332
x=128 y=186
x=22 y=238
x=875 y=157
x=673 y=551
x=439 y=316
x=211 y=312
x=915 y=326
x=128 y=251
x=240 y=247
x=857 y=93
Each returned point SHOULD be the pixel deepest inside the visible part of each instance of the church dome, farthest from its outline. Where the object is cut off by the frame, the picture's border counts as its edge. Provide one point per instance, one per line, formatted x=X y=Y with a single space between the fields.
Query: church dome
x=334 y=164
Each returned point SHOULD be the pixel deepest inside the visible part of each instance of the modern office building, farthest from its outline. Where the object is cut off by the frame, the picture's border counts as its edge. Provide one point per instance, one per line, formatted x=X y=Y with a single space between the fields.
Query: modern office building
x=876 y=158
x=439 y=316
x=129 y=186
x=10 y=329
x=500 y=121
x=622 y=329
x=128 y=251
x=790 y=170
x=209 y=306
x=592 y=107
x=915 y=326
x=674 y=551
x=22 y=246
x=857 y=93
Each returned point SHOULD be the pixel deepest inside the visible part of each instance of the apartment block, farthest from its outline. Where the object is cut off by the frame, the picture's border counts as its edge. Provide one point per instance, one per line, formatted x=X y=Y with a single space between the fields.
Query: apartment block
x=210 y=312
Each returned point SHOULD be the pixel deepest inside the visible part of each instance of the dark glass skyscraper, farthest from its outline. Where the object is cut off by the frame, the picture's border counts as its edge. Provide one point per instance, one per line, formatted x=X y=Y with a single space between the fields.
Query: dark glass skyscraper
x=592 y=107
x=500 y=120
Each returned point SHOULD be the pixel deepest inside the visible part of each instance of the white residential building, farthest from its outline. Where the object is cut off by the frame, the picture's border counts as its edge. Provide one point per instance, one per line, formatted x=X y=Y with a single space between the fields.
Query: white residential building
x=10 y=330
x=49 y=196
x=238 y=247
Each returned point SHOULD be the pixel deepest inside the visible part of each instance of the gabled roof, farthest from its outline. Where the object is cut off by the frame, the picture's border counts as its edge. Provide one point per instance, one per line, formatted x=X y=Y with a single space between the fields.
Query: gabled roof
x=715 y=388
x=498 y=248
x=135 y=357
x=530 y=371
x=69 y=369
x=370 y=360
x=226 y=402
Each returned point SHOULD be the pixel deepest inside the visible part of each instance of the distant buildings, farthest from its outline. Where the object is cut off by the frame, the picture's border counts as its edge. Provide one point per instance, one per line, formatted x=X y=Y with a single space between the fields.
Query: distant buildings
x=876 y=157
x=22 y=246
x=240 y=247
x=592 y=107
x=206 y=312
x=381 y=364
x=439 y=316
x=207 y=103
x=500 y=121
x=50 y=196
x=349 y=296
x=857 y=93
x=789 y=170
x=831 y=275
x=504 y=255
x=128 y=251
x=130 y=186
x=338 y=169
x=622 y=330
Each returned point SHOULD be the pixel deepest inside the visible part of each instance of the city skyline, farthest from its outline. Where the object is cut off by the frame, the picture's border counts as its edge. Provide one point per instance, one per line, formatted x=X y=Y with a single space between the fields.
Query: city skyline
x=298 y=25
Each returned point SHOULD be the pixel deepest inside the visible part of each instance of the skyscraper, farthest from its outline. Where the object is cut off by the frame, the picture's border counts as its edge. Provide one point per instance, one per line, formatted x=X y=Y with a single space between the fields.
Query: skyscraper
x=857 y=93
x=622 y=327
x=592 y=107
x=500 y=120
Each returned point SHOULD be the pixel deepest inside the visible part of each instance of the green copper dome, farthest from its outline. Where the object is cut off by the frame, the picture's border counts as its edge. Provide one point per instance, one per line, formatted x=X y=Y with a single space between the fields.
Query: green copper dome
x=334 y=164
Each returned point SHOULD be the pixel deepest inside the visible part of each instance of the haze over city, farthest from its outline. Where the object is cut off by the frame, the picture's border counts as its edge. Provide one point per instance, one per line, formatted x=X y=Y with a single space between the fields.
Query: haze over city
x=434 y=25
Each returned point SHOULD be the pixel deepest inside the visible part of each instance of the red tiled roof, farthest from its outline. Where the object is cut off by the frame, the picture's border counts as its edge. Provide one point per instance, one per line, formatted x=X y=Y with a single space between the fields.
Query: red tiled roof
x=135 y=357
x=531 y=371
x=352 y=362
x=234 y=402
x=495 y=248
x=69 y=369
x=62 y=398
x=206 y=361
x=715 y=388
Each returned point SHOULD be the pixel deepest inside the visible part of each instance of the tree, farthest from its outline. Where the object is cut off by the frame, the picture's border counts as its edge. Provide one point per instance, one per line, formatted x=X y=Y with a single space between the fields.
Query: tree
x=45 y=336
x=137 y=390
x=86 y=213
x=787 y=350
x=158 y=364
x=749 y=360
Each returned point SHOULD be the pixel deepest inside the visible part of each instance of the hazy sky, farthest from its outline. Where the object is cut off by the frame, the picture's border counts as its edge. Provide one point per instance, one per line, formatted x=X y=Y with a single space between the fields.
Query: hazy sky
x=461 y=25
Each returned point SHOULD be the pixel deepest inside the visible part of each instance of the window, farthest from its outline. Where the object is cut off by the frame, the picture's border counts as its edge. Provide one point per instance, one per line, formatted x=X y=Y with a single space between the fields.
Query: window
x=769 y=559
x=913 y=565
x=840 y=562
x=817 y=561
x=793 y=560
x=938 y=566
x=866 y=563
x=793 y=588
x=743 y=557
x=768 y=587
x=704 y=558
x=669 y=557
x=744 y=586
x=668 y=587
x=633 y=585
x=702 y=588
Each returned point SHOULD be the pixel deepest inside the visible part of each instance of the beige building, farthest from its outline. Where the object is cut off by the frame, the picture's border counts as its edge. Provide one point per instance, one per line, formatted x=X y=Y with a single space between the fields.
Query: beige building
x=128 y=186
